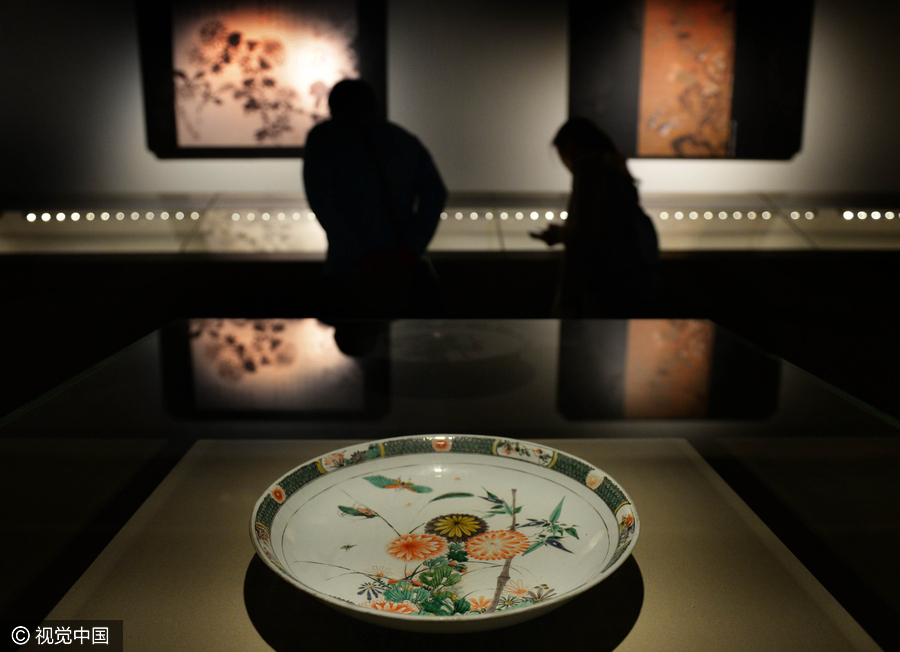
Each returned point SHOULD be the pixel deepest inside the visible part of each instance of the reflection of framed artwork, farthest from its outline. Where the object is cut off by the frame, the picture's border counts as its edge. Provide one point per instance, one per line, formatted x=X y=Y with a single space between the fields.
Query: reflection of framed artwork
x=692 y=78
x=662 y=369
x=275 y=368
x=250 y=78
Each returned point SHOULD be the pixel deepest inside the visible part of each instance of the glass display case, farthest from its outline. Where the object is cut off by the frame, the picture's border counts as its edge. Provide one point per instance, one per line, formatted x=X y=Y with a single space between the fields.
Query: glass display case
x=767 y=499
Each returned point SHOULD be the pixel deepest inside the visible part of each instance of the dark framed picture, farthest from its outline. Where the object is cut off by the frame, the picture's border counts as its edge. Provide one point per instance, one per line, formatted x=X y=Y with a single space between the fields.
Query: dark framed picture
x=692 y=78
x=250 y=78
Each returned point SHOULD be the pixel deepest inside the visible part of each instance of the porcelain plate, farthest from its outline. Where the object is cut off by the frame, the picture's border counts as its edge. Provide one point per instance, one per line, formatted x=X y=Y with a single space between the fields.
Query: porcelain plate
x=445 y=533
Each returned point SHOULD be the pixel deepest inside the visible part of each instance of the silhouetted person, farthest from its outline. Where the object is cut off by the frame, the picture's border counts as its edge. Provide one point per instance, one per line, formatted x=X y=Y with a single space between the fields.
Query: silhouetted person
x=611 y=261
x=377 y=193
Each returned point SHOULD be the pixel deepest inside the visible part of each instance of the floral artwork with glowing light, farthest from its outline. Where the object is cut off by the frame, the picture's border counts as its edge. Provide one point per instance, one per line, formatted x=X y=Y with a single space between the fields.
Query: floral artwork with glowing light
x=258 y=75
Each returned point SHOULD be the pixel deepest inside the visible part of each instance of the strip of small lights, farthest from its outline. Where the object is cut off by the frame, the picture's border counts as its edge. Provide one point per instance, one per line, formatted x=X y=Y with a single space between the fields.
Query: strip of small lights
x=105 y=216
x=795 y=215
x=504 y=215
x=722 y=215
x=875 y=215
x=458 y=215
x=268 y=217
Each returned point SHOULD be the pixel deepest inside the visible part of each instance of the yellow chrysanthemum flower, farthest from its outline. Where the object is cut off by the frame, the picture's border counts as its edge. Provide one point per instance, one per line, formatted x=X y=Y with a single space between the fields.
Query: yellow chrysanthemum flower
x=456 y=527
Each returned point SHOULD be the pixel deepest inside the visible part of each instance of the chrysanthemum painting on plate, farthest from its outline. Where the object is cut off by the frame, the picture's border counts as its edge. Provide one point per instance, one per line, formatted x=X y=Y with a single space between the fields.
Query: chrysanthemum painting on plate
x=430 y=569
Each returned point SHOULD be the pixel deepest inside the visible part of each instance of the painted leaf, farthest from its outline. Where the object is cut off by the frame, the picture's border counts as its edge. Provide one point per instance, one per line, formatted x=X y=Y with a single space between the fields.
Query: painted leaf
x=457 y=555
x=556 y=544
x=556 y=512
x=441 y=604
x=436 y=576
x=419 y=489
x=428 y=580
x=534 y=546
x=453 y=494
x=491 y=497
x=572 y=531
x=444 y=603
x=401 y=592
x=380 y=481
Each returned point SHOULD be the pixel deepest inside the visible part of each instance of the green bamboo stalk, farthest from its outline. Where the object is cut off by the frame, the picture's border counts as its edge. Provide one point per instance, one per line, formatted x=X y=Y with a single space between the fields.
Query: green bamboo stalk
x=503 y=578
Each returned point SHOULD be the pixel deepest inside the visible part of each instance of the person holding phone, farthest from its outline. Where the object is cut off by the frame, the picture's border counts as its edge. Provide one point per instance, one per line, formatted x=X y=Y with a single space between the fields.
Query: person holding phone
x=611 y=263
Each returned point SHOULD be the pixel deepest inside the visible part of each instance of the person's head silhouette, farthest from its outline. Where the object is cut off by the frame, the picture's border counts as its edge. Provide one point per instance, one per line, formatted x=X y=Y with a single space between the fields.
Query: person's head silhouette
x=352 y=98
x=579 y=138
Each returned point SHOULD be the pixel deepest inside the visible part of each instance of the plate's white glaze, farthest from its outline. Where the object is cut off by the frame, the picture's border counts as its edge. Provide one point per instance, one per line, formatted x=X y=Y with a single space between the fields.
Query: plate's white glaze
x=445 y=533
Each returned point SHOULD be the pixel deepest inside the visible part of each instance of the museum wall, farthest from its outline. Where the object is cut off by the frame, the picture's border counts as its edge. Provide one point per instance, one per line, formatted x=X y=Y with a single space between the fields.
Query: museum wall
x=482 y=83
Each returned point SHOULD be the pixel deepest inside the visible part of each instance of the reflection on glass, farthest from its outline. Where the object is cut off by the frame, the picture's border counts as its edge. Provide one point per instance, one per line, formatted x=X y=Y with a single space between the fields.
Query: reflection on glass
x=272 y=364
x=453 y=359
x=250 y=74
x=667 y=368
x=661 y=368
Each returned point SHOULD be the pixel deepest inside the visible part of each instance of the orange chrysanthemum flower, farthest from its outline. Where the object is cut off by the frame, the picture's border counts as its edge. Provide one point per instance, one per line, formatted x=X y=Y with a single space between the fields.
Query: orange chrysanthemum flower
x=480 y=603
x=395 y=607
x=497 y=544
x=416 y=547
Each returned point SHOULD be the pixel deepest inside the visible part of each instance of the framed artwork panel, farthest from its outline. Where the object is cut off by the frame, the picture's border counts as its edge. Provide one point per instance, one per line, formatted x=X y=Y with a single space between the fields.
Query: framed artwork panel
x=250 y=78
x=692 y=78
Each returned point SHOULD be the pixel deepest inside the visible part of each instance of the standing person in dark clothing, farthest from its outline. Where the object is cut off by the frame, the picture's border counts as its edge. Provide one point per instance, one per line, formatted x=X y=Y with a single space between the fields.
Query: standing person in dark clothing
x=377 y=193
x=611 y=262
